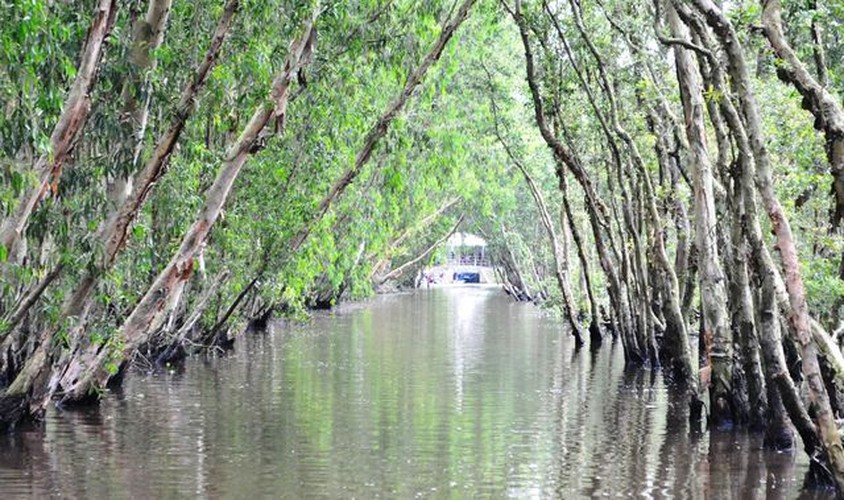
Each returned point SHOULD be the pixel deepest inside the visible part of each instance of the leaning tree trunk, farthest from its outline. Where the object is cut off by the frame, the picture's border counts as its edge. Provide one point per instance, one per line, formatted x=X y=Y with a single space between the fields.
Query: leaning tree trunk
x=639 y=335
x=379 y=129
x=82 y=376
x=79 y=381
x=822 y=411
x=514 y=282
x=560 y=273
x=147 y=35
x=676 y=338
x=393 y=247
x=399 y=271
x=114 y=232
x=48 y=168
x=560 y=269
x=712 y=292
x=817 y=99
x=635 y=290
x=596 y=334
x=565 y=159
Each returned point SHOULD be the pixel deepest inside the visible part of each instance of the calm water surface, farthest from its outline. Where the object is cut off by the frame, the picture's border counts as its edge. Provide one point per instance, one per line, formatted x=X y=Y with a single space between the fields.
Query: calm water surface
x=441 y=393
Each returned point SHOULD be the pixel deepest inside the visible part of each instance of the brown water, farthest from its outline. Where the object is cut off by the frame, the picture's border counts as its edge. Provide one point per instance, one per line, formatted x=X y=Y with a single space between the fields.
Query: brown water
x=442 y=393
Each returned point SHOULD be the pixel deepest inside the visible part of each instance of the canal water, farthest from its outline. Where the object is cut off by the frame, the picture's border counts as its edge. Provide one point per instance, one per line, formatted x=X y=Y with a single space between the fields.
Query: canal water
x=447 y=392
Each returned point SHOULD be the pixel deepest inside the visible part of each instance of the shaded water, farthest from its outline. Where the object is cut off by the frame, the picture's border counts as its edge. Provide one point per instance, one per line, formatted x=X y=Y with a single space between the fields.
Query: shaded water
x=444 y=392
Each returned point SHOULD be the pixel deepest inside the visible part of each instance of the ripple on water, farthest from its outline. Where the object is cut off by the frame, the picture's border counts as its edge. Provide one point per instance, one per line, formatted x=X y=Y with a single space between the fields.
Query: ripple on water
x=445 y=392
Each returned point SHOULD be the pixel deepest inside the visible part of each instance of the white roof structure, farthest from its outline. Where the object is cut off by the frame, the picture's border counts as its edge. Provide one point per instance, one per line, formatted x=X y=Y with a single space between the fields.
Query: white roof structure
x=460 y=239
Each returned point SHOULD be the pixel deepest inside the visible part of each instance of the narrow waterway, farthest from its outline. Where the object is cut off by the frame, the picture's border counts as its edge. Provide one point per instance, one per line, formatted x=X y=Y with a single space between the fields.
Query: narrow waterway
x=442 y=392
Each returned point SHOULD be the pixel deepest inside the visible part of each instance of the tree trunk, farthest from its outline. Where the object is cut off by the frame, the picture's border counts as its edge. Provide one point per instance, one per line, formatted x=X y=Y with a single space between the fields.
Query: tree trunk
x=513 y=275
x=561 y=275
x=114 y=231
x=394 y=246
x=676 y=339
x=173 y=348
x=565 y=159
x=712 y=293
x=379 y=129
x=397 y=272
x=78 y=382
x=817 y=99
x=781 y=388
x=27 y=301
x=74 y=113
x=135 y=328
x=752 y=406
x=818 y=397
x=560 y=269
x=147 y=35
x=596 y=334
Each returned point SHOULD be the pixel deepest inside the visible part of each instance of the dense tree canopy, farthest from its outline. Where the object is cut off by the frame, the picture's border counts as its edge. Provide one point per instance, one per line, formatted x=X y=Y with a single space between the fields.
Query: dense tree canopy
x=669 y=174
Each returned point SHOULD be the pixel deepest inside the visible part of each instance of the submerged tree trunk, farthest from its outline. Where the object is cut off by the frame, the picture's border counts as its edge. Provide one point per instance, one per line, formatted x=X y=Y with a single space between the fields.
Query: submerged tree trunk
x=672 y=307
x=750 y=397
x=514 y=282
x=780 y=387
x=754 y=406
x=821 y=409
x=597 y=218
x=561 y=272
x=712 y=290
x=78 y=382
x=596 y=334
x=676 y=339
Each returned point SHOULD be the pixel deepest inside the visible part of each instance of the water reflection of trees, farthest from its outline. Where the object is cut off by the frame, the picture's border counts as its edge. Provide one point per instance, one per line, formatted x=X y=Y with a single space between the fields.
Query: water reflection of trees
x=623 y=432
x=477 y=396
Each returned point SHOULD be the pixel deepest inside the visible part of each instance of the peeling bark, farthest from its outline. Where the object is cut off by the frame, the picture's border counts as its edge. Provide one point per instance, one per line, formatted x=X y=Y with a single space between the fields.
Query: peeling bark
x=48 y=168
x=136 y=327
x=147 y=35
